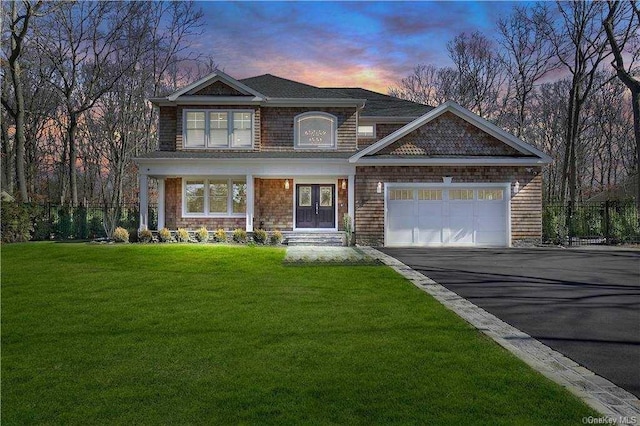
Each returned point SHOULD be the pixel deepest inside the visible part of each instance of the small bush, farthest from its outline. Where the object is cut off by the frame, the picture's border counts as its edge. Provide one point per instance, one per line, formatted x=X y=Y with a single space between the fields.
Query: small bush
x=145 y=236
x=240 y=235
x=121 y=235
x=202 y=235
x=220 y=236
x=17 y=224
x=182 y=236
x=164 y=235
x=275 y=238
x=96 y=230
x=260 y=236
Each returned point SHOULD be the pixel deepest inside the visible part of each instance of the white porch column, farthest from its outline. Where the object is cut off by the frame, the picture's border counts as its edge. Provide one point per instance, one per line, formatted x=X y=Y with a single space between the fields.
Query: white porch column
x=351 y=200
x=160 y=203
x=143 y=199
x=250 y=203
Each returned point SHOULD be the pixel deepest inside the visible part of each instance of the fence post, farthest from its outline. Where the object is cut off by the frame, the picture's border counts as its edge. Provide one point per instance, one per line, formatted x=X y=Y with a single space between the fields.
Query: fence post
x=570 y=223
x=607 y=225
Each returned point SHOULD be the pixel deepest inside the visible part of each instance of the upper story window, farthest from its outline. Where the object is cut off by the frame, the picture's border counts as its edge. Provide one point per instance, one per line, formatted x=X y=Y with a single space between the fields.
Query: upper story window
x=218 y=129
x=367 y=131
x=315 y=130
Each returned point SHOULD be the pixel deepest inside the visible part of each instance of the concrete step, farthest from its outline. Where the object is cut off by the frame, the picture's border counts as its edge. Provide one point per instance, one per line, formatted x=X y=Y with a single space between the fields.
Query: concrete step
x=335 y=239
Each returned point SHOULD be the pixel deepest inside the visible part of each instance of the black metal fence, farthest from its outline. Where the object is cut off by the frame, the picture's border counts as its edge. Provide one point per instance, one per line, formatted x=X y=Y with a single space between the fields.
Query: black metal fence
x=611 y=222
x=87 y=222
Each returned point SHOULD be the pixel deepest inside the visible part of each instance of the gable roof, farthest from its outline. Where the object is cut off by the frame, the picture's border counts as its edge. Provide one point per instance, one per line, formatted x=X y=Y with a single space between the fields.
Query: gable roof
x=217 y=75
x=379 y=105
x=277 y=87
x=268 y=89
x=479 y=122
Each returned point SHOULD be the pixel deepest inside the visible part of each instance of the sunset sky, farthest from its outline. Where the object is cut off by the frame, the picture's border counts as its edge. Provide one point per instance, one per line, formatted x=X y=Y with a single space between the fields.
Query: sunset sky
x=365 y=44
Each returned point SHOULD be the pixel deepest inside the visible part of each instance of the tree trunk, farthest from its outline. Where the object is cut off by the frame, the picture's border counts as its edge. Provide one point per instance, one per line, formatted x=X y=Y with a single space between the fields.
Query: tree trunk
x=635 y=96
x=19 y=117
x=73 y=155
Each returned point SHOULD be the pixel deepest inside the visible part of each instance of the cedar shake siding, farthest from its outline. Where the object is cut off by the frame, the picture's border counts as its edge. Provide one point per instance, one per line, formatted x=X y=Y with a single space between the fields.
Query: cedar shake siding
x=173 y=212
x=167 y=128
x=449 y=135
x=273 y=204
x=218 y=89
x=526 y=206
x=382 y=130
x=277 y=127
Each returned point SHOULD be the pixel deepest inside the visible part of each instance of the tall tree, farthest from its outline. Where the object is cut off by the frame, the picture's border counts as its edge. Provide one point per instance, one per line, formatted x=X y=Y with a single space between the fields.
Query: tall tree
x=580 y=45
x=628 y=35
x=526 y=54
x=19 y=25
x=478 y=72
x=82 y=43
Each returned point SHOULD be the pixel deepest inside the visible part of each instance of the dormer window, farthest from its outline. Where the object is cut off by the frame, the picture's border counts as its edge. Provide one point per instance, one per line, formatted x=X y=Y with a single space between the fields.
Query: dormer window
x=218 y=129
x=315 y=130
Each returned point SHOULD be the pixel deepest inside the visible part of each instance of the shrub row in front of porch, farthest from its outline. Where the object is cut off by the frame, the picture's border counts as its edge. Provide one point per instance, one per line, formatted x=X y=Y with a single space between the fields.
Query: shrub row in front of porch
x=203 y=235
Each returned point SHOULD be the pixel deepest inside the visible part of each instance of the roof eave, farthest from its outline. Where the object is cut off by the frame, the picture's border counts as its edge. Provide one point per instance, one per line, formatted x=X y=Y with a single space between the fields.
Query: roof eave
x=358 y=103
x=451 y=161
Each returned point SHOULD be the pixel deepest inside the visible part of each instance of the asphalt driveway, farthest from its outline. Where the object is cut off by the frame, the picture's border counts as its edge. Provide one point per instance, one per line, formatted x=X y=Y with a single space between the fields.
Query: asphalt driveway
x=584 y=303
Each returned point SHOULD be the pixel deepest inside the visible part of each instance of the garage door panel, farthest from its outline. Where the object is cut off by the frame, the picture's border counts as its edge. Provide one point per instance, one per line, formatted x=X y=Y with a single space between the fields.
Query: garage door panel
x=444 y=216
x=400 y=222
x=486 y=238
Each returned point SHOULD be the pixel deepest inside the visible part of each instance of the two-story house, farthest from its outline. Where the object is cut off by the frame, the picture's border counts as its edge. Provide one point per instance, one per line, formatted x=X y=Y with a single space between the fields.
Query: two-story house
x=267 y=152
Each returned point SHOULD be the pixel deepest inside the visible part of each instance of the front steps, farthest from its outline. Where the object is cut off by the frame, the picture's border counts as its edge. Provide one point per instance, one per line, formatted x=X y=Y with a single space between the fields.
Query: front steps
x=328 y=238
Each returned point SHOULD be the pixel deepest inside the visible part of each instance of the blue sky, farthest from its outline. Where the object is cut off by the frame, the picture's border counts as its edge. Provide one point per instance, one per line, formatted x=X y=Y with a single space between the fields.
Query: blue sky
x=366 y=44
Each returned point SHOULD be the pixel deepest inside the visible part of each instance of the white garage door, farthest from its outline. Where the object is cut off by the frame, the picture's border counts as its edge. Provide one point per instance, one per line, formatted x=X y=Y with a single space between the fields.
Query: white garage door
x=431 y=216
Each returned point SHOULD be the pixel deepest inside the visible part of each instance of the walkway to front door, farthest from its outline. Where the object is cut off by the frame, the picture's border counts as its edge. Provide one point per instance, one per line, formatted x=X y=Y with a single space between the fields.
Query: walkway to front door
x=315 y=206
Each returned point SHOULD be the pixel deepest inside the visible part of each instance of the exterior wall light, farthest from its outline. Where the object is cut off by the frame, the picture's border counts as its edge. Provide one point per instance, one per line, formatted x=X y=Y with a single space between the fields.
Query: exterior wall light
x=286 y=184
x=516 y=188
x=344 y=184
x=379 y=188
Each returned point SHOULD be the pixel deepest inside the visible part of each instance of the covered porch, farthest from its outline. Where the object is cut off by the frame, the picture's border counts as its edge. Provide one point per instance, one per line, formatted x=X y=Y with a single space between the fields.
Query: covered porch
x=293 y=196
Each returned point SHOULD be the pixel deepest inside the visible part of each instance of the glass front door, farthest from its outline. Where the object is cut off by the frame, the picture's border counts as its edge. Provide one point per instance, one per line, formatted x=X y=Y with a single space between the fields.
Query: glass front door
x=315 y=206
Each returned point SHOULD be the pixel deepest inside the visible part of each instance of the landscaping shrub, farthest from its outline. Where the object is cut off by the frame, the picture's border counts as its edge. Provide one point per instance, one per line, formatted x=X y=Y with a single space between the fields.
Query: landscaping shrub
x=220 y=236
x=96 y=230
x=164 y=235
x=182 y=236
x=348 y=228
x=260 y=236
x=202 y=235
x=276 y=237
x=17 y=223
x=64 y=228
x=240 y=235
x=121 y=235
x=145 y=236
x=80 y=228
x=42 y=228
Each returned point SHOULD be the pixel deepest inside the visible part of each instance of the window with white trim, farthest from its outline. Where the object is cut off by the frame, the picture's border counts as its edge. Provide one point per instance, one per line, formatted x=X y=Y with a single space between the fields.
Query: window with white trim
x=218 y=129
x=400 y=194
x=461 y=194
x=214 y=197
x=315 y=130
x=490 y=194
x=367 y=131
x=429 y=194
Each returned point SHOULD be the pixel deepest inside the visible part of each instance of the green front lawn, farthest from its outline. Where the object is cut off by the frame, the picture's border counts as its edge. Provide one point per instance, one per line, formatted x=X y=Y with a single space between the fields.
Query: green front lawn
x=159 y=334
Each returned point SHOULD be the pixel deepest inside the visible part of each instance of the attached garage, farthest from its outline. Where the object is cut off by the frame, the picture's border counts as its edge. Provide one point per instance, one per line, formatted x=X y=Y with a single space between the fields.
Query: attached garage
x=447 y=215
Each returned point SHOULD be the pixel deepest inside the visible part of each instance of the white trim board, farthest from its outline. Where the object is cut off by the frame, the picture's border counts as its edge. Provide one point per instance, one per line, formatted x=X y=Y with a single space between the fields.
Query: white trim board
x=217 y=75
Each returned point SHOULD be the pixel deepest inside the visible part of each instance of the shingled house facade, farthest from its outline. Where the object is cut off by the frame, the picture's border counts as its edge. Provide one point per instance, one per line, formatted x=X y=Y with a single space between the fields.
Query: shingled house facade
x=271 y=153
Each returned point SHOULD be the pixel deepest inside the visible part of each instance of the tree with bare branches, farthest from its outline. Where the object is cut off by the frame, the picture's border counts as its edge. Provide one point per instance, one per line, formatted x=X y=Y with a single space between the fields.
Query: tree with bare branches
x=619 y=41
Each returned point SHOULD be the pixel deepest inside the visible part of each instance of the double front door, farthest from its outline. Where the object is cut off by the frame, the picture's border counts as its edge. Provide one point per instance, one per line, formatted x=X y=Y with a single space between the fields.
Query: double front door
x=315 y=206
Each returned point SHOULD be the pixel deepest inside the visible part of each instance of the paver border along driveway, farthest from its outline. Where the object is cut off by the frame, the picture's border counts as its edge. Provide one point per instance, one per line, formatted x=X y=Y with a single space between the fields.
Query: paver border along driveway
x=583 y=303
